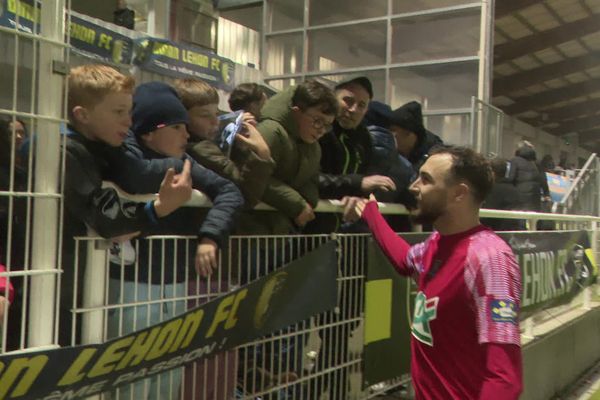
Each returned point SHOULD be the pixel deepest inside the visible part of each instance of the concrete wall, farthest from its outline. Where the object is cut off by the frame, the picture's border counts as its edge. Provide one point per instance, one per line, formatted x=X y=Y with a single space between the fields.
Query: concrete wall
x=552 y=363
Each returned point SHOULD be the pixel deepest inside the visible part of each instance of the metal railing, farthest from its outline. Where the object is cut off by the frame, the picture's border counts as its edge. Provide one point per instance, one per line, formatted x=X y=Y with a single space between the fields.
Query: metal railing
x=486 y=127
x=313 y=358
x=582 y=197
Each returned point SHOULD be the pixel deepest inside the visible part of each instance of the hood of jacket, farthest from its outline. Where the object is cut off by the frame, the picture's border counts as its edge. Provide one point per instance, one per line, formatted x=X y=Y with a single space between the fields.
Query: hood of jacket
x=278 y=108
x=526 y=152
x=422 y=148
x=382 y=137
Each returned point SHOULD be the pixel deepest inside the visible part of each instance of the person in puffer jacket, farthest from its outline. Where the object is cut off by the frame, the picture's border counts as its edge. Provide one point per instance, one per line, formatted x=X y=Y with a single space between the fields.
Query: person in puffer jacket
x=526 y=176
x=389 y=162
x=386 y=158
x=413 y=140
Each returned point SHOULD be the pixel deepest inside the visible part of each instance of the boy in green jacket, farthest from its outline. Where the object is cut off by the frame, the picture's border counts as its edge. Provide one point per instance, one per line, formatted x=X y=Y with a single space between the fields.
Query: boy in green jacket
x=292 y=123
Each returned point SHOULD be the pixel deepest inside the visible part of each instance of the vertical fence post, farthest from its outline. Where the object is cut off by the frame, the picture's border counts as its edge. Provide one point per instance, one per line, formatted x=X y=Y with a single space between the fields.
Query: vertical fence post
x=94 y=286
x=45 y=240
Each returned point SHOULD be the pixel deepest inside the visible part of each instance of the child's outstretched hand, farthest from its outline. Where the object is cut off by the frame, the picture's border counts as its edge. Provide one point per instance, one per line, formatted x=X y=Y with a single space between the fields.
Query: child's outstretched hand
x=252 y=138
x=175 y=190
x=206 y=257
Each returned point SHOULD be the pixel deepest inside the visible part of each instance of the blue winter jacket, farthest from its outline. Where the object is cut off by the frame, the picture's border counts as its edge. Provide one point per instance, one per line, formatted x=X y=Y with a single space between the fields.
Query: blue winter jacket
x=137 y=169
x=386 y=161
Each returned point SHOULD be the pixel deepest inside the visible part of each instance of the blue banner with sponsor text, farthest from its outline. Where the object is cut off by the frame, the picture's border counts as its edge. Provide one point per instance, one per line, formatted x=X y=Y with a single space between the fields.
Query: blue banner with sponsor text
x=95 y=41
x=22 y=14
x=183 y=61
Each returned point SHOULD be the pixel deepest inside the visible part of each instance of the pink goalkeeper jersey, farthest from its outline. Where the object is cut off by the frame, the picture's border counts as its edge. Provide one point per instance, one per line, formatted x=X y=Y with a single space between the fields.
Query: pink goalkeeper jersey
x=468 y=295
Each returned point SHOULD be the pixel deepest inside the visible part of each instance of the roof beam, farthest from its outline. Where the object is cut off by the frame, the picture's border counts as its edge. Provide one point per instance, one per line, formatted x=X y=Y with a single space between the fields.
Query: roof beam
x=559 y=114
x=542 y=40
x=549 y=97
x=507 y=7
x=507 y=84
x=576 y=125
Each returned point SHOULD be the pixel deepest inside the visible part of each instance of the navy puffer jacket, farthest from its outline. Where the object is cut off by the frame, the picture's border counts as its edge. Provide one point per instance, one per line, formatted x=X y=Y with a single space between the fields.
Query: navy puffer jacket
x=387 y=161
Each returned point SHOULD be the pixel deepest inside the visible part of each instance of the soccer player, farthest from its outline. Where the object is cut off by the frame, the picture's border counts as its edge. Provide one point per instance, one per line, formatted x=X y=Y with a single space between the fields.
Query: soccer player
x=465 y=330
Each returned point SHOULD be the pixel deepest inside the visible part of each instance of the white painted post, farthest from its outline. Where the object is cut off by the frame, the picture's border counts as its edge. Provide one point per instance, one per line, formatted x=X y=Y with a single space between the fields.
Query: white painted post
x=94 y=286
x=43 y=293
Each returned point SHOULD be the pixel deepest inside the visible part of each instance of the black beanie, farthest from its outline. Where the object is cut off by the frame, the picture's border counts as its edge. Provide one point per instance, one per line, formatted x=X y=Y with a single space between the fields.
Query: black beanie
x=155 y=105
x=379 y=114
x=409 y=117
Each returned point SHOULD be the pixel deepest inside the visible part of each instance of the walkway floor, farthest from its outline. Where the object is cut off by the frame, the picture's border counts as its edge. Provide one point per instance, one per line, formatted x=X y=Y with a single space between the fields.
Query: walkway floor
x=586 y=388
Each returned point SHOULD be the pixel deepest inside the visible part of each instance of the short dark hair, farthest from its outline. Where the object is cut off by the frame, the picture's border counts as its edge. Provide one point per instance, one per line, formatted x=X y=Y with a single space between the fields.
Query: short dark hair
x=314 y=94
x=469 y=166
x=245 y=94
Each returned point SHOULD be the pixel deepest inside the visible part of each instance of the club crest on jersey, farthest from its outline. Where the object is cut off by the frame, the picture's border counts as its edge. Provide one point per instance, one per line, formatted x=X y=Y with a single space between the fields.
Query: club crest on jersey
x=504 y=311
x=425 y=312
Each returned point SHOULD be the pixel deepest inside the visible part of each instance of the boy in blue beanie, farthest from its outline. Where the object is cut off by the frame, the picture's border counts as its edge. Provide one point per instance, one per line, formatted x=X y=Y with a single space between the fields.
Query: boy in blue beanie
x=157 y=141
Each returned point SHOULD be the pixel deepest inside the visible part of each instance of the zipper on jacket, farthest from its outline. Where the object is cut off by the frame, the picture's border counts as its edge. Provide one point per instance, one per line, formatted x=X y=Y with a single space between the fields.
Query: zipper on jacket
x=347 y=152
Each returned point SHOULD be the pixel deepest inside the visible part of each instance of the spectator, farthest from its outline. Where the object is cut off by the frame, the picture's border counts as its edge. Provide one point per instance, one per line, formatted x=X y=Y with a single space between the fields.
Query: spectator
x=18 y=184
x=250 y=164
x=292 y=123
x=157 y=143
x=346 y=156
x=346 y=148
x=547 y=164
x=412 y=139
x=18 y=126
x=531 y=183
x=21 y=142
x=14 y=222
x=388 y=161
x=249 y=97
x=99 y=107
x=465 y=331
x=123 y=15
x=503 y=196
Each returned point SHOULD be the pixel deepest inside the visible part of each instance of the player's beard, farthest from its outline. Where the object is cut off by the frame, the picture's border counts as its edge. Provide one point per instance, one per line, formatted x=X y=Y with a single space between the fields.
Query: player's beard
x=427 y=212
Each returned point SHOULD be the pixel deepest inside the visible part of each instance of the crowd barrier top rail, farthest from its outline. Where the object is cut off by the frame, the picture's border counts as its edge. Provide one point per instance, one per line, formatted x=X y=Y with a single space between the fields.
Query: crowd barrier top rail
x=199 y=199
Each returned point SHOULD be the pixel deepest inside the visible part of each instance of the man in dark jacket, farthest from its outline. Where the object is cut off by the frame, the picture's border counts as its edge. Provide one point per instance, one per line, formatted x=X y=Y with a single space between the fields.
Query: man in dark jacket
x=503 y=196
x=346 y=152
x=387 y=161
x=346 y=149
x=526 y=176
x=412 y=139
